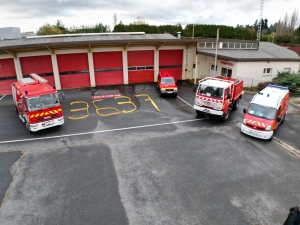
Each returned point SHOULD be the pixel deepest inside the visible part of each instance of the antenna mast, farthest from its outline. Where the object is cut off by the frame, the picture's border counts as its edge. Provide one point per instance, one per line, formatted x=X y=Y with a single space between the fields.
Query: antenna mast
x=259 y=21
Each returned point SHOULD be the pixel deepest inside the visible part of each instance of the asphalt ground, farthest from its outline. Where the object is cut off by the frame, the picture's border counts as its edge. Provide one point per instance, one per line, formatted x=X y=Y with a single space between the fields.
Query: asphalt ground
x=149 y=166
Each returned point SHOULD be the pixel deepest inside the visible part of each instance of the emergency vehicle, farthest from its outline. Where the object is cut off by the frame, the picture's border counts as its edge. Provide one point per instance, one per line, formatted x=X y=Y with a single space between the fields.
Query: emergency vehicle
x=218 y=96
x=166 y=84
x=267 y=110
x=37 y=103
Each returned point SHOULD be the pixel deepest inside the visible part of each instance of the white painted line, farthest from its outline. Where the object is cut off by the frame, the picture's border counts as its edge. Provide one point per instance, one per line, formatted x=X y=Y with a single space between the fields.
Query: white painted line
x=2 y=97
x=185 y=102
x=287 y=147
x=100 y=131
x=191 y=106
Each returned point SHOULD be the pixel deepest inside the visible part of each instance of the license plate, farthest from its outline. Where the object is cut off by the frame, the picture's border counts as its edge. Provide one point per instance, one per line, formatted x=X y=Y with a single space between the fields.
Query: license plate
x=170 y=92
x=48 y=123
x=253 y=133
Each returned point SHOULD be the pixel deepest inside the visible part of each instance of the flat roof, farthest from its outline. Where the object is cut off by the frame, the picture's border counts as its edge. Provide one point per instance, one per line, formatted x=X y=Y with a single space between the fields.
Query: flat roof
x=266 y=52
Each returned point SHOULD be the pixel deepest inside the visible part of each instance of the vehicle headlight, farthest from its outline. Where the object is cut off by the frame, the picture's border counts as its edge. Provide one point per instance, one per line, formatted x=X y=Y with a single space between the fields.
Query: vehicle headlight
x=268 y=128
x=218 y=106
x=163 y=89
x=198 y=102
x=175 y=89
x=244 y=121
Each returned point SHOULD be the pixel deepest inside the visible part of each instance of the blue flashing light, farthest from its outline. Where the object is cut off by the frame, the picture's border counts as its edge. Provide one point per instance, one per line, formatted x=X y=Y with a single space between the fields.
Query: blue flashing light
x=268 y=95
x=278 y=87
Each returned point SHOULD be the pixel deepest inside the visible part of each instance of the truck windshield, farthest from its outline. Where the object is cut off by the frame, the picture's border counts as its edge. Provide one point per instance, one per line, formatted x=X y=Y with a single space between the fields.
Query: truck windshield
x=43 y=101
x=210 y=91
x=169 y=80
x=262 y=111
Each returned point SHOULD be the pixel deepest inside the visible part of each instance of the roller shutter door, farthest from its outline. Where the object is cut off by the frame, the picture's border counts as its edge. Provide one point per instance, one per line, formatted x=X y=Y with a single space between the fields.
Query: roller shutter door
x=171 y=60
x=7 y=75
x=73 y=70
x=140 y=66
x=108 y=68
x=41 y=65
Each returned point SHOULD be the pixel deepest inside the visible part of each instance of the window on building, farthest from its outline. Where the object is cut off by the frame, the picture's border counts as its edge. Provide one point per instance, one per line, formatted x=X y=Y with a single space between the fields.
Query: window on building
x=287 y=69
x=226 y=72
x=267 y=70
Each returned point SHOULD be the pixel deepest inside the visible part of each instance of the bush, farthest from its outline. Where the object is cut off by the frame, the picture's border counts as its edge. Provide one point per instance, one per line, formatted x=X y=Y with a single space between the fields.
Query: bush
x=262 y=85
x=291 y=80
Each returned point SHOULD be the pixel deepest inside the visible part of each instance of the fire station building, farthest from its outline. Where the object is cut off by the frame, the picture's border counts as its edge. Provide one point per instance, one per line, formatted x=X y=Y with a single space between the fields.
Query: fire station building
x=90 y=60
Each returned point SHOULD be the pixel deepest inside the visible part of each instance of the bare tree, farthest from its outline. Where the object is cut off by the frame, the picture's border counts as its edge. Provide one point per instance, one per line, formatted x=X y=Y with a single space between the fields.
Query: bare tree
x=115 y=19
x=288 y=25
x=139 y=20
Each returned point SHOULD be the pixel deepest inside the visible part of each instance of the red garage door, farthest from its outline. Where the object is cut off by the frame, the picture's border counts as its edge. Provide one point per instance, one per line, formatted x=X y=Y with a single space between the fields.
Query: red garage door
x=171 y=60
x=41 y=65
x=73 y=70
x=108 y=68
x=7 y=75
x=140 y=66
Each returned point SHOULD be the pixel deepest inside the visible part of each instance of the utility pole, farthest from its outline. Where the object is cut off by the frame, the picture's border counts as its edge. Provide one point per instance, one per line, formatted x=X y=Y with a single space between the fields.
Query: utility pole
x=215 y=66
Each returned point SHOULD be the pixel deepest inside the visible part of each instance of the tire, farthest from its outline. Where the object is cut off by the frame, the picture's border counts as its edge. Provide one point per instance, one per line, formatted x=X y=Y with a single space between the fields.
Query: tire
x=236 y=104
x=225 y=116
x=199 y=113
x=283 y=118
x=160 y=94
x=175 y=95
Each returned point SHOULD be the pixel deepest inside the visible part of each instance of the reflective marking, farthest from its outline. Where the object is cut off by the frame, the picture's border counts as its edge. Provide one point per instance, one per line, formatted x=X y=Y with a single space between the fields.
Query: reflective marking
x=286 y=146
x=2 y=97
x=42 y=114
x=103 y=131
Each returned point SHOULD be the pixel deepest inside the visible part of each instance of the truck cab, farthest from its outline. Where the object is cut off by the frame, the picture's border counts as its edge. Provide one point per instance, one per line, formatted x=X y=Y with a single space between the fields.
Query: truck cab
x=166 y=84
x=266 y=111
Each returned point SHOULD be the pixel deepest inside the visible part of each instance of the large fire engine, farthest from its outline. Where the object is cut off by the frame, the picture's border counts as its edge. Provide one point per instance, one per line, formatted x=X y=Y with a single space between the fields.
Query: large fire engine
x=37 y=103
x=218 y=96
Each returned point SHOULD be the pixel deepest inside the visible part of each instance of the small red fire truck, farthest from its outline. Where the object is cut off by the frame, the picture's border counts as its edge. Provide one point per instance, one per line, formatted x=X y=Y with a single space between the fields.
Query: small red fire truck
x=266 y=112
x=37 y=103
x=218 y=95
x=166 y=84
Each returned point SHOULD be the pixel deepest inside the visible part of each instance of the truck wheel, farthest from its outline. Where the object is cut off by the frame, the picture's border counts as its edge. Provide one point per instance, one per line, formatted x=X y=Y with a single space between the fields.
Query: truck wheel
x=175 y=95
x=199 y=113
x=160 y=94
x=283 y=118
x=16 y=110
x=236 y=104
x=225 y=116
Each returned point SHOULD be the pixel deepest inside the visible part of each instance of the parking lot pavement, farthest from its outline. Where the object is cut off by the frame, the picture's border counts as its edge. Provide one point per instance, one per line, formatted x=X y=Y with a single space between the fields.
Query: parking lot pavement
x=146 y=166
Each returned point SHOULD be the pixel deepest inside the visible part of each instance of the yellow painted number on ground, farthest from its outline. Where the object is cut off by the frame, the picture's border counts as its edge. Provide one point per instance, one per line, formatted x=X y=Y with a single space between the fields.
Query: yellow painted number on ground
x=81 y=109
x=129 y=102
x=106 y=108
x=149 y=99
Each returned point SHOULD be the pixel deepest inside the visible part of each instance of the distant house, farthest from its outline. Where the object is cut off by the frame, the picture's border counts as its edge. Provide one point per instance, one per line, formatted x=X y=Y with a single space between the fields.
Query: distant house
x=10 y=33
x=245 y=60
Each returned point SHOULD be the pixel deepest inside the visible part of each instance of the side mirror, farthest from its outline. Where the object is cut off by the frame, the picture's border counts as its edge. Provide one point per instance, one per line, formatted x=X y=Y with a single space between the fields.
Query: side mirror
x=229 y=96
x=278 y=119
x=244 y=110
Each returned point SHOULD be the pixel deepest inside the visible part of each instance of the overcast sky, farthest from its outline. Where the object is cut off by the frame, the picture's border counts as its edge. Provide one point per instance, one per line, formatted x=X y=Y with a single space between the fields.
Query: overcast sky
x=29 y=15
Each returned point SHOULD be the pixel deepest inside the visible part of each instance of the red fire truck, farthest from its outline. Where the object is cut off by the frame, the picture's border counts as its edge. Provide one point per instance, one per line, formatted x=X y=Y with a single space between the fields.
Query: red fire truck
x=218 y=96
x=37 y=103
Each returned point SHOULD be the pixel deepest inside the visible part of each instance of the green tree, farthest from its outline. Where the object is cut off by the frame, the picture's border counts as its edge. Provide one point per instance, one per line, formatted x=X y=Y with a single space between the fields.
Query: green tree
x=60 y=26
x=48 y=29
x=288 y=79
